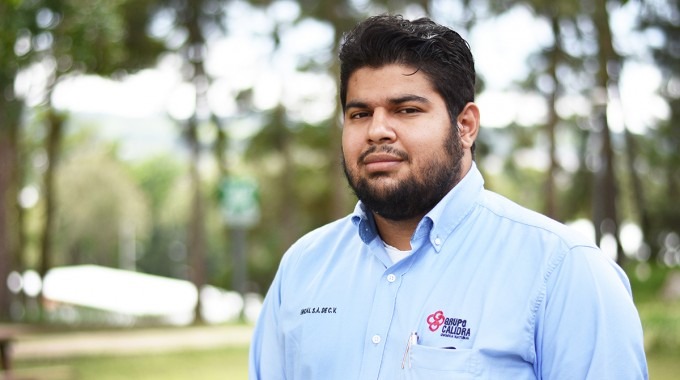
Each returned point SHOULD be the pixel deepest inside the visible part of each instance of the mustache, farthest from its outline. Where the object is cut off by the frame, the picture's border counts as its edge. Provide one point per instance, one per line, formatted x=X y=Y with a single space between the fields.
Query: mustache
x=389 y=149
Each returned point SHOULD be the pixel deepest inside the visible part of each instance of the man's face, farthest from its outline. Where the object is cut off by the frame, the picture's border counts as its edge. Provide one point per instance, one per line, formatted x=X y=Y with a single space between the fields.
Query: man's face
x=401 y=154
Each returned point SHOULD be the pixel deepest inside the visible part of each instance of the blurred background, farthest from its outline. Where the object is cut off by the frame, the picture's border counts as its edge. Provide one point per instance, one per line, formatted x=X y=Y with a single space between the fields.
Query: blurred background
x=157 y=158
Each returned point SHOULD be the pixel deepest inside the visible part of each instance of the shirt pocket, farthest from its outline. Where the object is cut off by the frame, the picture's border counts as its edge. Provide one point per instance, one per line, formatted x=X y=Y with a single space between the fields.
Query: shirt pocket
x=430 y=363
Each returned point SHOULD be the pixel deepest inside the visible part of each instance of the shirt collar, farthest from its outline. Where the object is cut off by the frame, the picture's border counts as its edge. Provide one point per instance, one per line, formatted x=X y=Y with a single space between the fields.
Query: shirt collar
x=363 y=219
x=447 y=215
x=440 y=221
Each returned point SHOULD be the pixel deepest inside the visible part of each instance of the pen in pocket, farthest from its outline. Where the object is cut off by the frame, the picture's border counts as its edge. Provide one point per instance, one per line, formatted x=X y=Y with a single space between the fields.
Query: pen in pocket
x=412 y=339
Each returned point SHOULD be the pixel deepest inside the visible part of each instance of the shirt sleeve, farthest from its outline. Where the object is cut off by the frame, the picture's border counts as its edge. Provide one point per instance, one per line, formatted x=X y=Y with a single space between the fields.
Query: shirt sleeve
x=266 y=349
x=587 y=326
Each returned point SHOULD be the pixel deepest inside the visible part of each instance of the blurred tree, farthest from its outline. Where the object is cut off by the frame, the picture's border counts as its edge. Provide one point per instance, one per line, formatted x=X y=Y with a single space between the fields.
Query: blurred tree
x=195 y=22
x=107 y=38
x=276 y=140
x=102 y=211
x=48 y=40
x=544 y=78
x=159 y=177
x=555 y=55
x=18 y=20
x=659 y=161
x=294 y=165
x=553 y=74
x=341 y=16
x=606 y=193
x=72 y=37
x=297 y=164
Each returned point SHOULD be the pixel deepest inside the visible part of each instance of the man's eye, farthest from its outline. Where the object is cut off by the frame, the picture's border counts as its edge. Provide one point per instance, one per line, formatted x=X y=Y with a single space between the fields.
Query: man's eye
x=409 y=110
x=359 y=115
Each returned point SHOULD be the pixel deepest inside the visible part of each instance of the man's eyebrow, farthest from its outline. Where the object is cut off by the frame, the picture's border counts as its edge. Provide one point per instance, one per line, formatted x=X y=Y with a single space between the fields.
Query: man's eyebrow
x=356 y=104
x=394 y=101
x=409 y=98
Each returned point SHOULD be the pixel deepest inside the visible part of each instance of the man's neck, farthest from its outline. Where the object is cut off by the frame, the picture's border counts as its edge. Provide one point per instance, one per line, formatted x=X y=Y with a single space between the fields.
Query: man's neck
x=397 y=233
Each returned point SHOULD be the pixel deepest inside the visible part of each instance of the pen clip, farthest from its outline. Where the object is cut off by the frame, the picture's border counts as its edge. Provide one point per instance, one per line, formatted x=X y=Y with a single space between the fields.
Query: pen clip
x=412 y=339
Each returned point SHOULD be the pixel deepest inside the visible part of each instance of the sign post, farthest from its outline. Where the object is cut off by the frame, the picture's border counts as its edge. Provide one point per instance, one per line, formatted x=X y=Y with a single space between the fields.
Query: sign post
x=240 y=209
x=239 y=202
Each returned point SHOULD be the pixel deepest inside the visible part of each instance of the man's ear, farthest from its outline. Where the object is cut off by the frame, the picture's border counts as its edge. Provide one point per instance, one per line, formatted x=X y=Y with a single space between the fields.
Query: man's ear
x=468 y=124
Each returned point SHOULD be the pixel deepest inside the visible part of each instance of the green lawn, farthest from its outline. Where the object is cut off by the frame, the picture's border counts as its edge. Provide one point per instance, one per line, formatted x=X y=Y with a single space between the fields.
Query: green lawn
x=229 y=363
x=663 y=366
x=212 y=364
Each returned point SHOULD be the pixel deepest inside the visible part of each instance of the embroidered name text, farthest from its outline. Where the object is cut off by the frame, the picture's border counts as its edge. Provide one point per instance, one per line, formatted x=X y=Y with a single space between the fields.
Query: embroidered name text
x=318 y=310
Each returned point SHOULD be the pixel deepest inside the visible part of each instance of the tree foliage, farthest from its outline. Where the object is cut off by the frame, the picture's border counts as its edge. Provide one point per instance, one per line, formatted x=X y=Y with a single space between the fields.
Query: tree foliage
x=171 y=201
x=659 y=161
x=94 y=179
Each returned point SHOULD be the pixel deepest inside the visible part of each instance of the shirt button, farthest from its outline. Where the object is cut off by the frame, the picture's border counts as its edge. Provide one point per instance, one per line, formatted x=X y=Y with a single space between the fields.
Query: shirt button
x=437 y=241
x=375 y=339
x=391 y=278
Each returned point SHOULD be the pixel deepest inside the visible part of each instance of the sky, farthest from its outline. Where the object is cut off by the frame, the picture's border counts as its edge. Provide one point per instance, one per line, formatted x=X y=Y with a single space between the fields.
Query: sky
x=147 y=101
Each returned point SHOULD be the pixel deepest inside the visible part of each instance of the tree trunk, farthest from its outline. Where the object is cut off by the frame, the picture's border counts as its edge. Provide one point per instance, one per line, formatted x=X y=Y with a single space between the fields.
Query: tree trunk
x=11 y=231
x=550 y=208
x=6 y=155
x=55 y=125
x=196 y=236
x=289 y=206
x=639 y=203
x=194 y=50
x=605 y=218
x=340 y=194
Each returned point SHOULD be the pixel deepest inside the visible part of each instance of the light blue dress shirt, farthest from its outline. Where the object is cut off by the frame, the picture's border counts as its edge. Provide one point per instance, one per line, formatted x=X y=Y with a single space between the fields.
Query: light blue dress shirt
x=491 y=291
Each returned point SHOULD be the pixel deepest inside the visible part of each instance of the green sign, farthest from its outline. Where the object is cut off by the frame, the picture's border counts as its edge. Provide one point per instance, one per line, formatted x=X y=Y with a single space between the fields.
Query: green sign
x=239 y=202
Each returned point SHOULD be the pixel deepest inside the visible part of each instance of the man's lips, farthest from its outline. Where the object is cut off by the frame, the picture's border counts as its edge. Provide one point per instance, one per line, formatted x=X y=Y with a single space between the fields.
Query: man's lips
x=380 y=162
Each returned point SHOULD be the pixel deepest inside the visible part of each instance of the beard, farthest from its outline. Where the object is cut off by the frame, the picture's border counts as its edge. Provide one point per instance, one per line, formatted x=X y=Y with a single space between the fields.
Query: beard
x=419 y=192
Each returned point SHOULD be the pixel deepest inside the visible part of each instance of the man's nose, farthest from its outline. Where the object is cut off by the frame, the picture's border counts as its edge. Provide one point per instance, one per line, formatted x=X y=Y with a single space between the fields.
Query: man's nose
x=381 y=129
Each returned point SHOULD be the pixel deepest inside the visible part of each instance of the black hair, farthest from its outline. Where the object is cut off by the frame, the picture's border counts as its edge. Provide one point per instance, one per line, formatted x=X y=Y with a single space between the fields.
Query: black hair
x=439 y=52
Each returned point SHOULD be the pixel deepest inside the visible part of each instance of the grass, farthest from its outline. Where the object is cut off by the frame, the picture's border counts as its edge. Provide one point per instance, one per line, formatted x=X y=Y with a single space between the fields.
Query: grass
x=230 y=363
x=660 y=319
x=661 y=324
x=213 y=364
x=663 y=366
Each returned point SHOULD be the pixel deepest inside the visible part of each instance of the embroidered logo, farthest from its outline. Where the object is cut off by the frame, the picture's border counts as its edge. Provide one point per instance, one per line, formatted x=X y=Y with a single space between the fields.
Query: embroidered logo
x=450 y=327
x=318 y=310
x=436 y=320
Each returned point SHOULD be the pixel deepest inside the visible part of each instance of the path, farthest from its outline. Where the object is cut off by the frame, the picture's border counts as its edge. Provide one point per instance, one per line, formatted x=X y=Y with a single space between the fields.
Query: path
x=29 y=345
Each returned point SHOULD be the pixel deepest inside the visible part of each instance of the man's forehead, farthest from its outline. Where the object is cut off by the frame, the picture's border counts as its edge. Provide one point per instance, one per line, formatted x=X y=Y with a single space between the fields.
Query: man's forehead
x=392 y=84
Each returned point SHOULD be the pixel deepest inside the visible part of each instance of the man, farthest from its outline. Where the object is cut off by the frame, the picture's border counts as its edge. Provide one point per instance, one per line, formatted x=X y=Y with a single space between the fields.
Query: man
x=432 y=276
